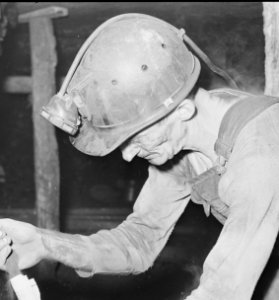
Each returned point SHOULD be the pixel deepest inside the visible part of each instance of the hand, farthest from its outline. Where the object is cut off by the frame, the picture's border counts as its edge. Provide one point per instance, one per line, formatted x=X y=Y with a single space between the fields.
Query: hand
x=26 y=242
x=5 y=249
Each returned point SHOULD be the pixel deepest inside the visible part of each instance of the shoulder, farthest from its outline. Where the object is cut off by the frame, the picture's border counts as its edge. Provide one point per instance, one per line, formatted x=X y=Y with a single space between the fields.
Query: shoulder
x=250 y=175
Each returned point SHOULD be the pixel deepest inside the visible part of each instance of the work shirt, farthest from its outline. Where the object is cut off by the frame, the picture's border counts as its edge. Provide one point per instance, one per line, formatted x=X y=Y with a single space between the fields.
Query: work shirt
x=249 y=187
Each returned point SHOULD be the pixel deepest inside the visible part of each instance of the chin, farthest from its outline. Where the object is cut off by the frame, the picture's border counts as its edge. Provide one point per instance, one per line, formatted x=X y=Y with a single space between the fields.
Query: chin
x=156 y=163
x=159 y=160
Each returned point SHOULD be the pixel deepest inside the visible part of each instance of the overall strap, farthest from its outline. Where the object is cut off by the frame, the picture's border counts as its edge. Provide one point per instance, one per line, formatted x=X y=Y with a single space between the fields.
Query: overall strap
x=205 y=185
x=236 y=118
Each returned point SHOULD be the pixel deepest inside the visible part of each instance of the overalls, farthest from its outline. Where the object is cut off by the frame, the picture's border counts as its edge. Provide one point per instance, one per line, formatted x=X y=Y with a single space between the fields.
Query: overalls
x=205 y=186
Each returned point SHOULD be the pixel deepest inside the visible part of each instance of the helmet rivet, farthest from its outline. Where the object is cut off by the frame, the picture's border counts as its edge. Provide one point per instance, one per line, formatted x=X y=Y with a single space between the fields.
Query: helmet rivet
x=144 y=67
x=114 y=82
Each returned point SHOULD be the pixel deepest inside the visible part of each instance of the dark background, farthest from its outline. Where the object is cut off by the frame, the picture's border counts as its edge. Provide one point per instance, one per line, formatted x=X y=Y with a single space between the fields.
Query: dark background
x=231 y=34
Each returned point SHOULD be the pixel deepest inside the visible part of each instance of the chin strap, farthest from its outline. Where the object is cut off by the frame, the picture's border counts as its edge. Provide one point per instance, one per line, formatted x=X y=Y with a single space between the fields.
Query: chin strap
x=207 y=60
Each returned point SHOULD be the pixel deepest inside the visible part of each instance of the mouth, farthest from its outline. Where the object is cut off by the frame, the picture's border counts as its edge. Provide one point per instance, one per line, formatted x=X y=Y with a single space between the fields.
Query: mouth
x=149 y=156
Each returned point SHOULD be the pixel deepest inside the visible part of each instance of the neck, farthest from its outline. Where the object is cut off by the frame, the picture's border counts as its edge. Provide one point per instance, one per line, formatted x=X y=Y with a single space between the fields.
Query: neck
x=204 y=128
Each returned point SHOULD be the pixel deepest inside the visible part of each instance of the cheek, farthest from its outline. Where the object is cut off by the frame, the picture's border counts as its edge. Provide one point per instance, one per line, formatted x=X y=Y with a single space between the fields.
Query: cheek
x=161 y=145
x=169 y=150
x=165 y=150
x=152 y=142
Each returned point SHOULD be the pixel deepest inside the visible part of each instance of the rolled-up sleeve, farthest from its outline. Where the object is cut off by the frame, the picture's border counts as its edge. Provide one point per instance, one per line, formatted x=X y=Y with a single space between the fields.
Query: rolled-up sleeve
x=133 y=246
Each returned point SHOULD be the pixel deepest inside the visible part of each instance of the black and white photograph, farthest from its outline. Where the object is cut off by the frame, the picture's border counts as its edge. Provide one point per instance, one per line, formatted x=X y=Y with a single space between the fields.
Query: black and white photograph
x=139 y=154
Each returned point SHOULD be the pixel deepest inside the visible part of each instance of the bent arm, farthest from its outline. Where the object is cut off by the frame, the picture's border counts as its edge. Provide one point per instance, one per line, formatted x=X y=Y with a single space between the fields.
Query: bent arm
x=135 y=243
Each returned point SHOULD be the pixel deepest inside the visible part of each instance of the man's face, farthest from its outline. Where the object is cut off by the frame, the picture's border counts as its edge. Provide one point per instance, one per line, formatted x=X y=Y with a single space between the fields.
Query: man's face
x=157 y=144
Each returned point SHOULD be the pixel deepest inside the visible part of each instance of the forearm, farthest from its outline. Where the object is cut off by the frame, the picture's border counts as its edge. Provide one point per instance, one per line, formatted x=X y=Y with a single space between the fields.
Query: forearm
x=129 y=248
x=71 y=250
x=132 y=246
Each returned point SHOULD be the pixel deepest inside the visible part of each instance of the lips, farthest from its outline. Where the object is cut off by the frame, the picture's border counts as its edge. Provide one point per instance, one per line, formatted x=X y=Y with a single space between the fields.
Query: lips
x=149 y=156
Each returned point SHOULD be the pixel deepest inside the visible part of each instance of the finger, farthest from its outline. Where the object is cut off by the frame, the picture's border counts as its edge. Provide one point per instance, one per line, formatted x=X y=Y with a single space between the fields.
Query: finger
x=5 y=242
x=4 y=253
x=2 y=234
x=6 y=224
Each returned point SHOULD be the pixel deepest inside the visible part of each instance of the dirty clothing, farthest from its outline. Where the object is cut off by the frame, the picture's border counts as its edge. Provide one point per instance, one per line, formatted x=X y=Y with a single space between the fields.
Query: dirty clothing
x=249 y=187
x=205 y=186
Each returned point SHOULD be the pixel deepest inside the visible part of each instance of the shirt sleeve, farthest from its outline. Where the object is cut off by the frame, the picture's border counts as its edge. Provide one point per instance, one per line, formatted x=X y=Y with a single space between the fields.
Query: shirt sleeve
x=235 y=263
x=133 y=246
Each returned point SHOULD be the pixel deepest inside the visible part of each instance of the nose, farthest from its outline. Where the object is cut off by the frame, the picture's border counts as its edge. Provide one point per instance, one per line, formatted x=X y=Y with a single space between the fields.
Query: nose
x=129 y=152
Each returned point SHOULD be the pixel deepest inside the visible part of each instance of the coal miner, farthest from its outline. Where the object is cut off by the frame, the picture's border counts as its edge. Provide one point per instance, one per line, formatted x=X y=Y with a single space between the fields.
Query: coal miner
x=134 y=86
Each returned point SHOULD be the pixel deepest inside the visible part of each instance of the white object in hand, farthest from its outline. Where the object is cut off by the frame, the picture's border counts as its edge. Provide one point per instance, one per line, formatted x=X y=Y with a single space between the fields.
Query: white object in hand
x=25 y=289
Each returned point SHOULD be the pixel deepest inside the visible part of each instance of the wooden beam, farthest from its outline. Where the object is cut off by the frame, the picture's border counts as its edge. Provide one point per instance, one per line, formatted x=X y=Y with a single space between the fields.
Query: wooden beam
x=46 y=159
x=17 y=85
x=20 y=84
x=48 y=12
x=47 y=181
x=44 y=61
x=271 y=33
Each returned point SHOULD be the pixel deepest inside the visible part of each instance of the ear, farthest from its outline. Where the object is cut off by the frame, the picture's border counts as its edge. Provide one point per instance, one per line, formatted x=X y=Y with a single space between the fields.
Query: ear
x=186 y=110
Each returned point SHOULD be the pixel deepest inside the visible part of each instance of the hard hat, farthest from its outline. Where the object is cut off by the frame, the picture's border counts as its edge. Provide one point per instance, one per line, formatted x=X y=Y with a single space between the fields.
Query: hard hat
x=135 y=70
